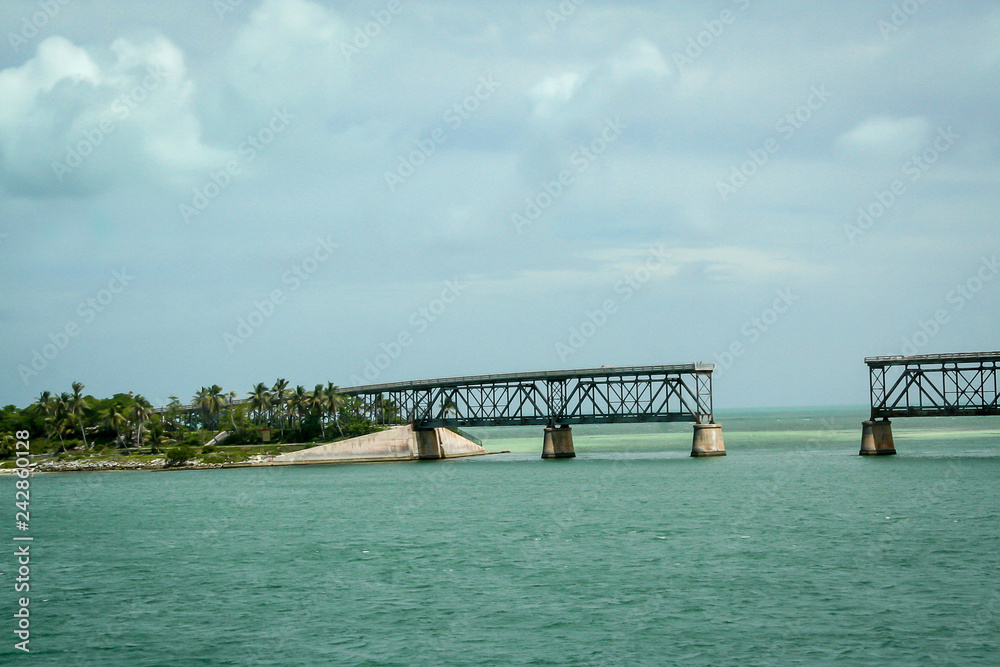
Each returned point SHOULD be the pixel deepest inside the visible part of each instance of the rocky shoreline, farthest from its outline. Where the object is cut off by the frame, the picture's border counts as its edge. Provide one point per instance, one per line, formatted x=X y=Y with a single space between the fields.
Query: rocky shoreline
x=82 y=465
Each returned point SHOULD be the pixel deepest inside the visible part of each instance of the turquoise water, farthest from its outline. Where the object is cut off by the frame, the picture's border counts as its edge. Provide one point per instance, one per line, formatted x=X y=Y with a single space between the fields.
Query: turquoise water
x=792 y=550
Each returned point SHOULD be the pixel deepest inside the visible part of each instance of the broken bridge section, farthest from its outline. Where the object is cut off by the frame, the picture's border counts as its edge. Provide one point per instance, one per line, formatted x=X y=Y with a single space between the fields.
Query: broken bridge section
x=927 y=385
x=555 y=400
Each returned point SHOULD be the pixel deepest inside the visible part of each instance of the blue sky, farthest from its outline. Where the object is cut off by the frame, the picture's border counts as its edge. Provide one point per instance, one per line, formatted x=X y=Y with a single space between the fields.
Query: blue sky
x=195 y=193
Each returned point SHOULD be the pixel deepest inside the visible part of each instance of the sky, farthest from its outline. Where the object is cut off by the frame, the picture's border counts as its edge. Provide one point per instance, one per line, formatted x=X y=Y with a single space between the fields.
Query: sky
x=229 y=192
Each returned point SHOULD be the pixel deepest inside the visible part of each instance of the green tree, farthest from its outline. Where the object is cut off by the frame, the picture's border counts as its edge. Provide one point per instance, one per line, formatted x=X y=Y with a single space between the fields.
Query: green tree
x=58 y=421
x=260 y=400
x=43 y=406
x=114 y=419
x=8 y=446
x=279 y=394
x=334 y=403
x=298 y=402
x=210 y=402
x=142 y=412
x=230 y=398
x=317 y=405
x=78 y=407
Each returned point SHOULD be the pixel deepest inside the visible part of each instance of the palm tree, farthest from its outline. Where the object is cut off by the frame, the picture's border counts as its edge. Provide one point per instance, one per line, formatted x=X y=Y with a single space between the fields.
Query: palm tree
x=231 y=396
x=43 y=406
x=196 y=402
x=317 y=405
x=299 y=403
x=78 y=407
x=58 y=417
x=210 y=401
x=114 y=419
x=8 y=445
x=334 y=402
x=172 y=415
x=278 y=393
x=260 y=398
x=141 y=413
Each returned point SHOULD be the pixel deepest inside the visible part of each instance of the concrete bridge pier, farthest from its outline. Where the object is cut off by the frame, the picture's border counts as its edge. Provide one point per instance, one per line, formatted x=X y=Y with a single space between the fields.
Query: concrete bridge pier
x=428 y=444
x=708 y=440
x=876 y=438
x=558 y=443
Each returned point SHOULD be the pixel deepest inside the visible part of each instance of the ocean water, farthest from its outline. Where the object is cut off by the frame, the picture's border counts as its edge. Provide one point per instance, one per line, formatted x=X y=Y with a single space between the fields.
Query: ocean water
x=792 y=550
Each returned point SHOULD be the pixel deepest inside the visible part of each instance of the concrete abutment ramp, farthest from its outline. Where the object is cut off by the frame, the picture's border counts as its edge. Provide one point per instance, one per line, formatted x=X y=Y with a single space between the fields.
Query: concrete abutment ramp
x=400 y=443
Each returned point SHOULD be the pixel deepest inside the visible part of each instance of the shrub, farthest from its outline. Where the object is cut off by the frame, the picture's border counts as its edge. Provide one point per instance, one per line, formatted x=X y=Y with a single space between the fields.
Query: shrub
x=180 y=454
x=208 y=449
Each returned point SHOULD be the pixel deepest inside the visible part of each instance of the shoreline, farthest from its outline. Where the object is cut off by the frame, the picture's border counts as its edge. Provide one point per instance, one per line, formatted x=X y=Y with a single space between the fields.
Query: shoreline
x=160 y=464
x=112 y=465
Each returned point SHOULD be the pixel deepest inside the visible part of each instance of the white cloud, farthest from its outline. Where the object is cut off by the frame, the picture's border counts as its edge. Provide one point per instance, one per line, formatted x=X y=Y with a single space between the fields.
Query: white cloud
x=554 y=92
x=289 y=53
x=76 y=121
x=640 y=58
x=885 y=136
x=57 y=60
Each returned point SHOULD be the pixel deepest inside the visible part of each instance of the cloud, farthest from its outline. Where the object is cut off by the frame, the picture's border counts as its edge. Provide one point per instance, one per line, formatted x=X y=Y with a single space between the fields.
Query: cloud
x=640 y=59
x=553 y=93
x=79 y=121
x=289 y=53
x=884 y=136
x=684 y=133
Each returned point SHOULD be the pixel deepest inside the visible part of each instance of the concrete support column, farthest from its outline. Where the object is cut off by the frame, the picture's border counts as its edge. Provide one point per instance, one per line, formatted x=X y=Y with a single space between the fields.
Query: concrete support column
x=708 y=440
x=876 y=438
x=428 y=444
x=558 y=443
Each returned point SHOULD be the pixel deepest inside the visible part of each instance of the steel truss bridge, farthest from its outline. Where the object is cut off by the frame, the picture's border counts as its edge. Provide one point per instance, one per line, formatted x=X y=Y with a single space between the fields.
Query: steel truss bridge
x=934 y=385
x=551 y=398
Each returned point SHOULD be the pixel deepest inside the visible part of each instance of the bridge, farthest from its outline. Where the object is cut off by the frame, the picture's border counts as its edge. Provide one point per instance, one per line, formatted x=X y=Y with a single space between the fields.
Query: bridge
x=928 y=385
x=553 y=399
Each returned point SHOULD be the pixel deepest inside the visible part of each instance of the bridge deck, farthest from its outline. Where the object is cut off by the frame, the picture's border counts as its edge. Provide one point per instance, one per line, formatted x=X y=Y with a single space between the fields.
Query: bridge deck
x=961 y=357
x=499 y=378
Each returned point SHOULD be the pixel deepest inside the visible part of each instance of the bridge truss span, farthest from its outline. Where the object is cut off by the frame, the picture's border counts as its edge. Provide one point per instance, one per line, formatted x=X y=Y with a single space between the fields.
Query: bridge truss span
x=934 y=385
x=927 y=385
x=550 y=398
